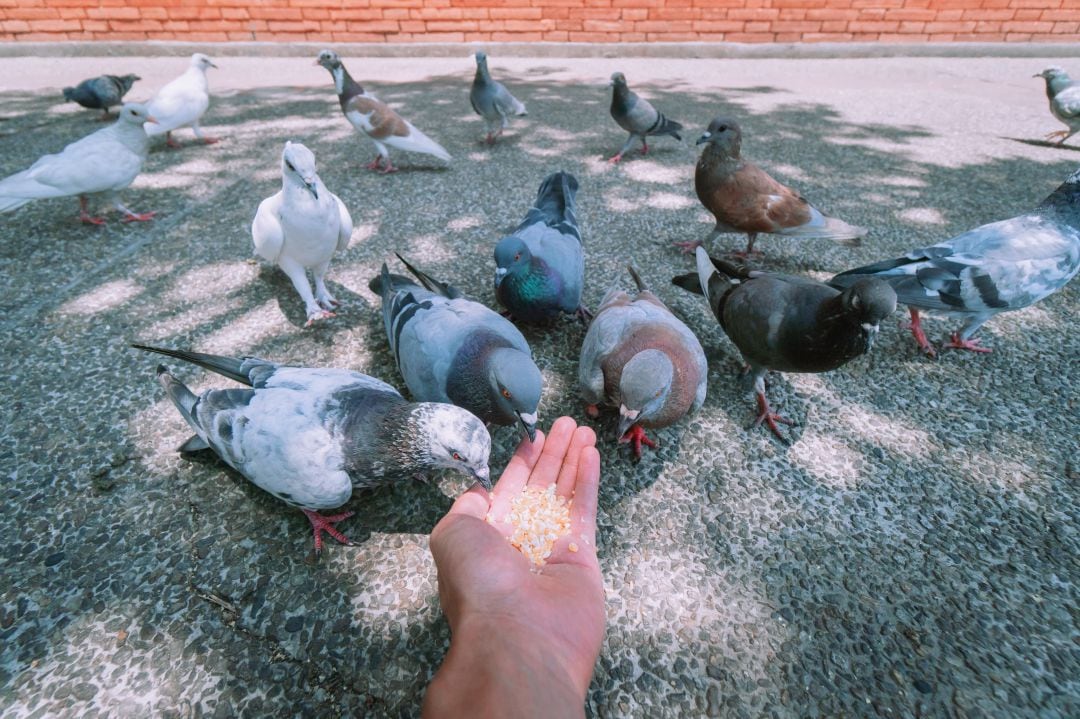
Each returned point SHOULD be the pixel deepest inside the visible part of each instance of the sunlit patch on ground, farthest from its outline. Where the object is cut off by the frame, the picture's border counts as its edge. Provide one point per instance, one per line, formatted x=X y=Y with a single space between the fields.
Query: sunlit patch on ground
x=100 y=299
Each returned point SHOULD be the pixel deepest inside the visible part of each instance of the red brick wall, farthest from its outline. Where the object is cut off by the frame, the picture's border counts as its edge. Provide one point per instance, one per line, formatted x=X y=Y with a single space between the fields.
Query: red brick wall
x=546 y=20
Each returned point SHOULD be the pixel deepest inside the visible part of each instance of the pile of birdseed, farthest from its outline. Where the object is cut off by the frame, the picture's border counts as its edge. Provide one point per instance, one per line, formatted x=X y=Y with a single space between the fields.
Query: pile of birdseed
x=539 y=517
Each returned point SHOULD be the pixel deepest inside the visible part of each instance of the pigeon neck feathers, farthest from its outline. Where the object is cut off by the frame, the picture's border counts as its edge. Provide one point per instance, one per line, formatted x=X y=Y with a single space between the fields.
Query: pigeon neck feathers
x=346 y=87
x=384 y=438
x=622 y=99
x=468 y=383
x=1056 y=83
x=1066 y=199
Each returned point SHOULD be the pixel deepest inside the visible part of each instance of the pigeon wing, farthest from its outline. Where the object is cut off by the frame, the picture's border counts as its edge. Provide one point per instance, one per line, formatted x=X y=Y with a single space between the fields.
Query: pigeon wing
x=267 y=233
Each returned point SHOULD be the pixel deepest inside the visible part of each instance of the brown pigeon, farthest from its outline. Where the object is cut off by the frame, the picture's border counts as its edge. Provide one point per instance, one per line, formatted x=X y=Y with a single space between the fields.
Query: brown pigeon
x=744 y=198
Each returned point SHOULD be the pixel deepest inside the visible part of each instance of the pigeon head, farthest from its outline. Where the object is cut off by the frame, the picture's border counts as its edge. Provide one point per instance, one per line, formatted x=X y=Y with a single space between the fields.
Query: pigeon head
x=618 y=80
x=454 y=438
x=126 y=81
x=723 y=134
x=135 y=113
x=515 y=386
x=298 y=167
x=328 y=59
x=644 y=387
x=1056 y=79
x=511 y=254
x=869 y=301
x=481 y=57
x=201 y=61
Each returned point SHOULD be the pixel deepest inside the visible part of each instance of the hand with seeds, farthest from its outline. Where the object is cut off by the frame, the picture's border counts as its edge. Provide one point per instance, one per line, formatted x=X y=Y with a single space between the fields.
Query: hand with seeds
x=525 y=638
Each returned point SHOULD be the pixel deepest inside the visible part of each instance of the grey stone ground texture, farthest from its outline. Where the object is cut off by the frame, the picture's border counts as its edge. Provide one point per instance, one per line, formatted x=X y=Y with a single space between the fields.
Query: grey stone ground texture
x=912 y=554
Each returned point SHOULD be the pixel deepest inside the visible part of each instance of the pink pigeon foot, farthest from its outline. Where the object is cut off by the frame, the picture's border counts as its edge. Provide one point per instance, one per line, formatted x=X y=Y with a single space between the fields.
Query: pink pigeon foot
x=389 y=168
x=584 y=314
x=915 y=325
x=323 y=315
x=490 y=139
x=169 y=142
x=689 y=247
x=85 y=217
x=636 y=437
x=320 y=524
x=644 y=148
x=211 y=140
x=770 y=418
x=139 y=217
x=375 y=164
x=615 y=160
x=961 y=344
x=592 y=410
x=1061 y=134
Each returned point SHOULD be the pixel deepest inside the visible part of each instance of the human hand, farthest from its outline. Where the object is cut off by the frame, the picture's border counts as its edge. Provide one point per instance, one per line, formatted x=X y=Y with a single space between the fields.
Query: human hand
x=540 y=630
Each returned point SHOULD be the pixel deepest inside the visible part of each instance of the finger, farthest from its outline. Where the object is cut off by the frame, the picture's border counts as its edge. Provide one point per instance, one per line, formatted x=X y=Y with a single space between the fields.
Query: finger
x=583 y=437
x=546 y=470
x=474 y=502
x=516 y=474
x=586 y=489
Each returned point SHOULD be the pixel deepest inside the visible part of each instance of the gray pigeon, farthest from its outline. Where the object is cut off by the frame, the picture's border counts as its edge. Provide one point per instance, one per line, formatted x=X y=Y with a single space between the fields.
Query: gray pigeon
x=309 y=436
x=994 y=268
x=639 y=357
x=744 y=198
x=452 y=349
x=1064 y=96
x=301 y=227
x=789 y=324
x=101 y=93
x=637 y=117
x=540 y=268
x=492 y=101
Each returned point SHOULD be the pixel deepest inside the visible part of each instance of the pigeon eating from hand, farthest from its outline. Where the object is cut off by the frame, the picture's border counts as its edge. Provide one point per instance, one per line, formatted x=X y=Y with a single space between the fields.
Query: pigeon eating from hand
x=376 y=119
x=492 y=101
x=309 y=436
x=1064 y=96
x=639 y=357
x=540 y=268
x=789 y=324
x=452 y=349
x=101 y=93
x=637 y=117
x=744 y=198
x=301 y=227
x=994 y=268
x=103 y=162
x=183 y=102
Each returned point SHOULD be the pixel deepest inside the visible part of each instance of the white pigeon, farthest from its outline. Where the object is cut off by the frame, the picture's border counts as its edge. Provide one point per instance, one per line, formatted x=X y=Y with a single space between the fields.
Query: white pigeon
x=376 y=119
x=301 y=227
x=103 y=162
x=1064 y=97
x=183 y=102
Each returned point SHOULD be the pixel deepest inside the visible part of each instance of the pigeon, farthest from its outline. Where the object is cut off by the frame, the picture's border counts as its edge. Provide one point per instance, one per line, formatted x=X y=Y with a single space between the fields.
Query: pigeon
x=375 y=118
x=540 y=268
x=183 y=102
x=492 y=101
x=787 y=323
x=103 y=162
x=639 y=357
x=301 y=227
x=744 y=198
x=1064 y=96
x=637 y=117
x=309 y=436
x=994 y=268
x=452 y=349
x=101 y=93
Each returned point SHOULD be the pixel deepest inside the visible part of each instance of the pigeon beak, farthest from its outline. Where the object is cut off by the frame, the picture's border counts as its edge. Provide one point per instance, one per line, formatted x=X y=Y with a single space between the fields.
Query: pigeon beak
x=627 y=418
x=313 y=188
x=483 y=476
x=703 y=138
x=151 y=118
x=316 y=63
x=212 y=65
x=528 y=423
x=500 y=272
x=871 y=334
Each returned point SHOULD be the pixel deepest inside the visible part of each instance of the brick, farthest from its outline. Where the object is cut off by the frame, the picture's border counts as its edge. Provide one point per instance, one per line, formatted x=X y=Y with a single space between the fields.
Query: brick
x=673 y=14
x=635 y=14
x=749 y=37
x=1017 y=37
x=826 y=36
x=917 y=14
x=757 y=27
x=515 y=13
x=258 y=12
x=1060 y=27
x=656 y=26
x=71 y=13
x=718 y=25
x=946 y=27
x=113 y=13
x=754 y=14
x=832 y=14
x=1060 y=14
x=434 y=13
x=798 y=26
x=12 y=26
x=356 y=14
x=283 y=26
x=834 y=26
x=33 y=13
x=521 y=37
x=602 y=25
x=873 y=26
x=593 y=37
x=1026 y=26
x=557 y=36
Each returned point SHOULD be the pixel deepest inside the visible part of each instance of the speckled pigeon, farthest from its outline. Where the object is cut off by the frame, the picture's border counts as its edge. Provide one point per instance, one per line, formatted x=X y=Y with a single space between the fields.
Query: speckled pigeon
x=376 y=119
x=994 y=268
x=101 y=93
x=1064 y=96
x=789 y=324
x=492 y=101
x=102 y=163
x=744 y=198
x=183 y=102
x=309 y=436
x=301 y=227
x=452 y=349
x=637 y=117
x=540 y=268
x=639 y=357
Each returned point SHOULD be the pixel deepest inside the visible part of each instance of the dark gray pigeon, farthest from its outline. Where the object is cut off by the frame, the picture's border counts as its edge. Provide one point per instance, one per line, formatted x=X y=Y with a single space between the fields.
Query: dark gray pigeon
x=639 y=357
x=540 y=268
x=309 y=436
x=789 y=324
x=492 y=101
x=994 y=268
x=637 y=117
x=452 y=349
x=1064 y=97
x=101 y=93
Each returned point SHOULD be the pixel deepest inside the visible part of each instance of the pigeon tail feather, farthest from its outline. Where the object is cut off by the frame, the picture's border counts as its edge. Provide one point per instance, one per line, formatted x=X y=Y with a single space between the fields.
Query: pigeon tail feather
x=181 y=396
x=642 y=287
x=231 y=367
x=555 y=201
x=429 y=282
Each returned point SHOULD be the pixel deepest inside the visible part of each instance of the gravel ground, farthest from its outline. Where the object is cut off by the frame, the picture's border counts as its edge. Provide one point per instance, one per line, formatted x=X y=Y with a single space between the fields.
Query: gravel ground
x=912 y=554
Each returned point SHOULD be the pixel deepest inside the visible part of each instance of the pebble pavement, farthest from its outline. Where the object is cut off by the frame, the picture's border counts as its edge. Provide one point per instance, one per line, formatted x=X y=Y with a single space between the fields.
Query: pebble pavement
x=914 y=552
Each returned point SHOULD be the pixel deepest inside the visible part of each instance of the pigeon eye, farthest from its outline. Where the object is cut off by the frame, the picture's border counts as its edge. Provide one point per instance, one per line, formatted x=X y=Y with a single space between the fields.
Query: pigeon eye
x=506 y=393
x=289 y=165
x=517 y=257
x=657 y=395
x=456 y=456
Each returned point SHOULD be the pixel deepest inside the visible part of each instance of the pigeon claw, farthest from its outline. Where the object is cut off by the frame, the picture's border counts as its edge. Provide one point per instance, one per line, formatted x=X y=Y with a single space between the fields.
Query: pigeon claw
x=169 y=142
x=615 y=160
x=139 y=217
x=375 y=164
x=584 y=314
x=88 y=219
x=636 y=437
x=320 y=524
x=1061 y=136
x=915 y=325
x=770 y=418
x=314 y=317
x=688 y=248
x=388 y=169
x=592 y=410
x=210 y=140
x=955 y=342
